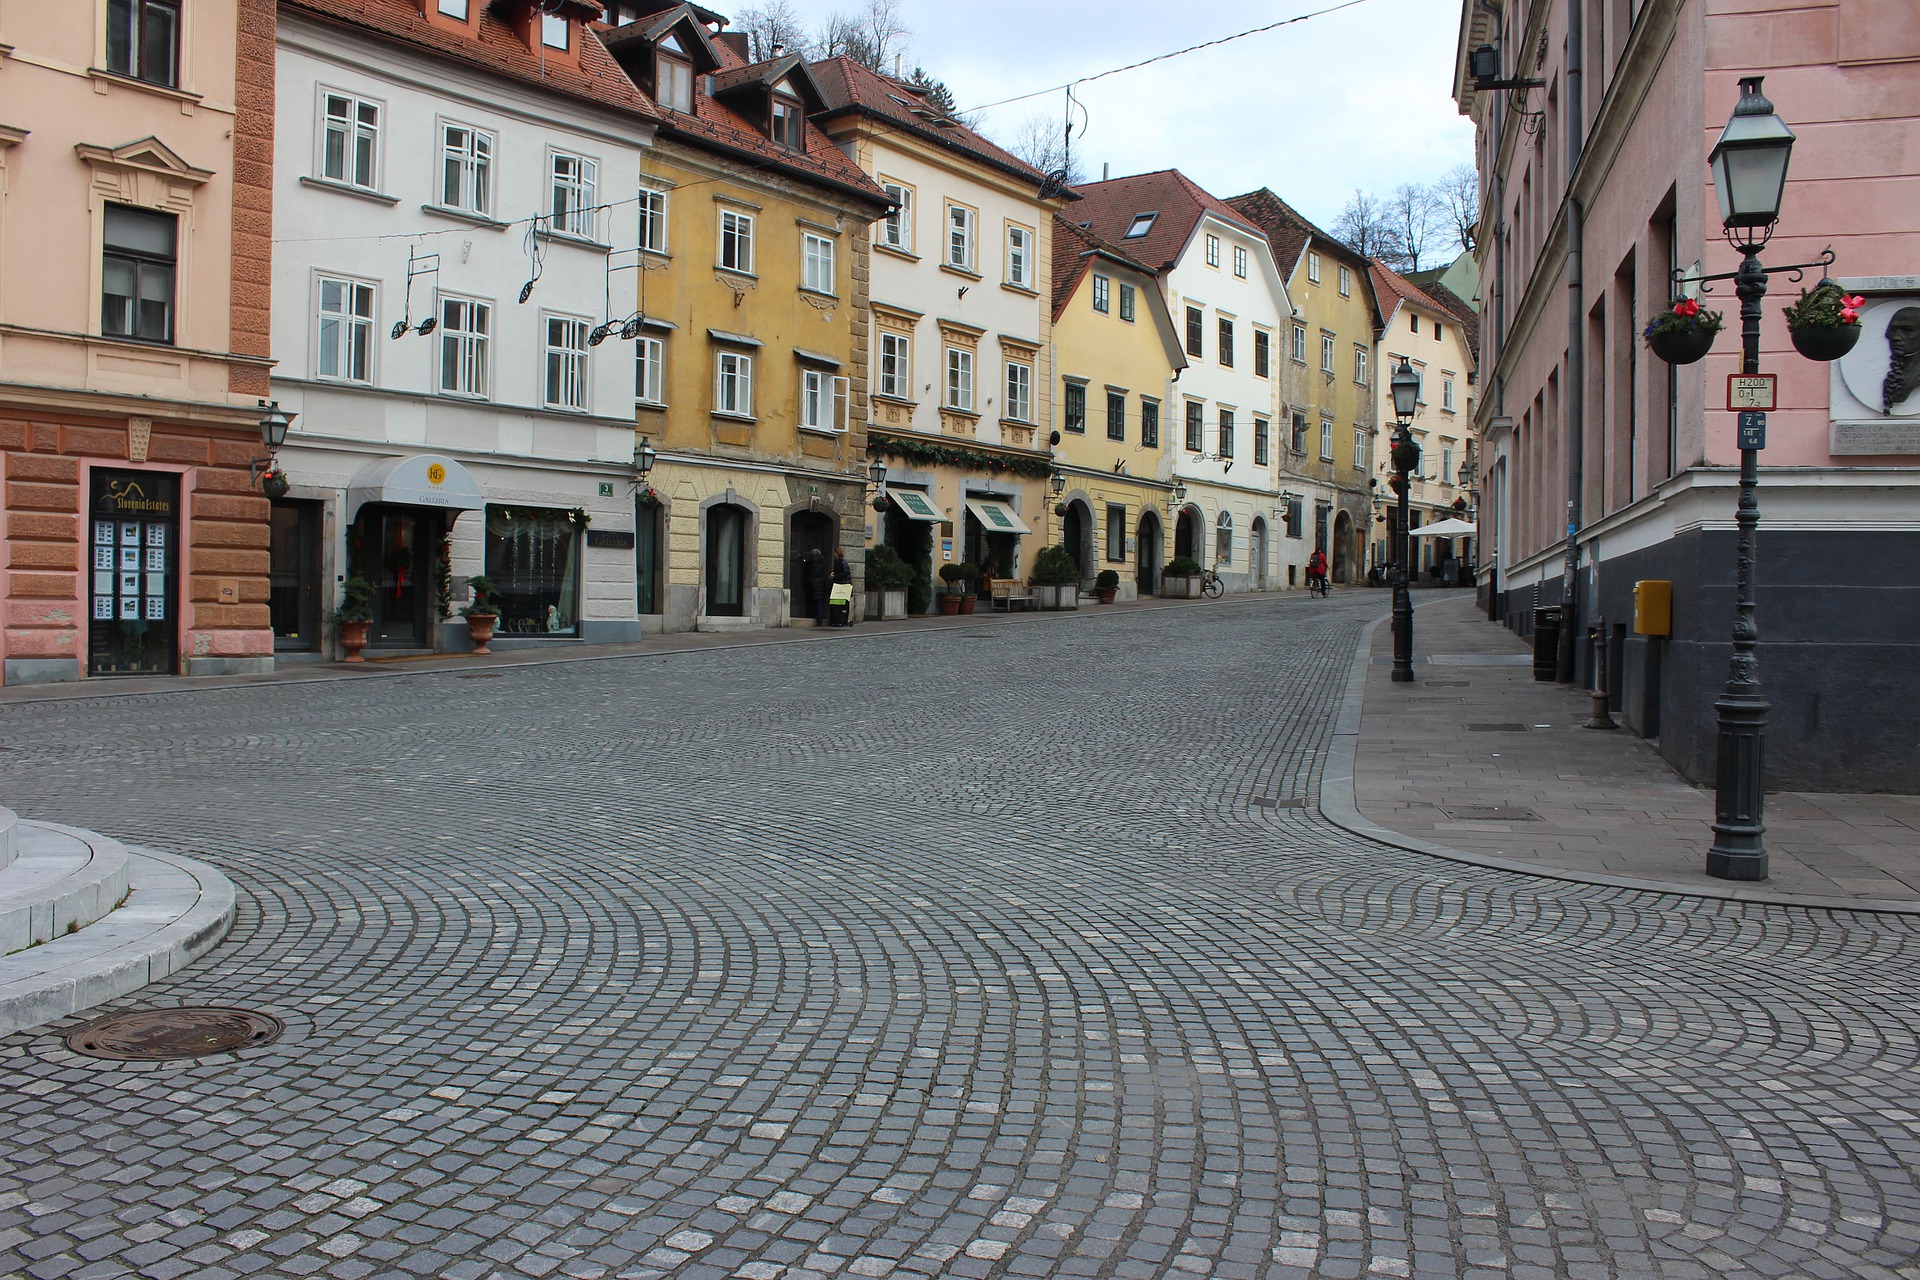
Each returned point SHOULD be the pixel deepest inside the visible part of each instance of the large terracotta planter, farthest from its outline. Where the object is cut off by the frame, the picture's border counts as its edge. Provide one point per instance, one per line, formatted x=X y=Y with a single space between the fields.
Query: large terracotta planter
x=1682 y=346
x=1825 y=341
x=353 y=638
x=1107 y=594
x=966 y=603
x=480 y=627
x=949 y=604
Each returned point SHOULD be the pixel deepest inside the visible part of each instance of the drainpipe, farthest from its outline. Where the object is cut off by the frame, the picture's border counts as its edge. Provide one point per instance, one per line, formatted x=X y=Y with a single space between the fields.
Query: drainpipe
x=1576 y=394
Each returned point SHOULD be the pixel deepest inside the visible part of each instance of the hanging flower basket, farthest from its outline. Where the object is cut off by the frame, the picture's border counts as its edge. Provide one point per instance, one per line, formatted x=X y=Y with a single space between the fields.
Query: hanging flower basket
x=274 y=482
x=1825 y=322
x=1684 y=333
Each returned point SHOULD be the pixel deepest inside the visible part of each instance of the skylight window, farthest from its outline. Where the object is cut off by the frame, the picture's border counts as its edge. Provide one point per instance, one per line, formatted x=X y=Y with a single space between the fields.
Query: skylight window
x=1142 y=223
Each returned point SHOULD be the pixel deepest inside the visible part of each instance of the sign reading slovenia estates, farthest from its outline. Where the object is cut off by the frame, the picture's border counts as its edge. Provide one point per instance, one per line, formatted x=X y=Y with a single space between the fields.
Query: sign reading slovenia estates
x=1874 y=392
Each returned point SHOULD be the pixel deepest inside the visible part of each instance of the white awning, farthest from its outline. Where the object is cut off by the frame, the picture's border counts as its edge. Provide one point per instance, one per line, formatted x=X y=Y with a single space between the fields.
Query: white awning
x=914 y=504
x=422 y=480
x=996 y=517
x=1451 y=527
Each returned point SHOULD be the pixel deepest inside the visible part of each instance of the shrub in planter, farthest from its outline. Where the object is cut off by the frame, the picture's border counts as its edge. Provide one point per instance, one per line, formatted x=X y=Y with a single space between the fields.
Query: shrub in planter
x=1181 y=578
x=888 y=577
x=1825 y=322
x=952 y=575
x=1054 y=566
x=355 y=615
x=482 y=613
x=1182 y=567
x=1683 y=333
x=1107 y=583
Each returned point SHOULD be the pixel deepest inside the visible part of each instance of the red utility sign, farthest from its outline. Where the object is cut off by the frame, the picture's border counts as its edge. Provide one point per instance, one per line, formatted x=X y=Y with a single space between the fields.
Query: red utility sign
x=1751 y=392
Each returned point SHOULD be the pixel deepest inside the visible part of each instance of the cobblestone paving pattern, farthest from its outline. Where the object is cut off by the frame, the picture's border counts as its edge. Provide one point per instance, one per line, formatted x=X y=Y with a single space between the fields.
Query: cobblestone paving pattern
x=960 y=953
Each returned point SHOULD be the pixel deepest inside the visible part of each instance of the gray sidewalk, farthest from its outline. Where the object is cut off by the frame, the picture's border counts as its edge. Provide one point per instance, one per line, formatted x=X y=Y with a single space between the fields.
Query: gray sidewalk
x=1477 y=756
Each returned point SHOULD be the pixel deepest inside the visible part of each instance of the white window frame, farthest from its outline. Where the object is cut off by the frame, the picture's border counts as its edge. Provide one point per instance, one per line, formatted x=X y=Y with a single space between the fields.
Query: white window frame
x=817 y=267
x=472 y=343
x=1326 y=440
x=736 y=231
x=346 y=323
x=1446 y=464
x=733 y=383
x=563 y=363
x=1240 y=261
x=823 y=401
x=653 y=204
x=1359 y=448
x=1326 y=353
x=962 y=237
x=1213 y=251
x=650 y=370
x=1019 y=401
x=1359 y=364
x=1346 y=283
x=555 y=32
x=959 y=381
x=1019 y=256
x=896 y=229
x=1446 y=394
x=895 y=366
x=453 y=9
x=583 y=186
x=1223 y=538
x=1313 y=267
x=352 y=130
x=474 y=163
x=1299 y=348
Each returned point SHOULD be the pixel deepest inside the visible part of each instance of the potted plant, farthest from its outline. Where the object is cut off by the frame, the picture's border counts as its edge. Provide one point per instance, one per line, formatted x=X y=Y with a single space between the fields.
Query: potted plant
x=274 y=482
x=1825 y=323
x=355 y=615
x=887 y=579
x=951 y=574
x=1107 y=583
x=1181 y=579
x=1683 y=333
x=969 y=585
x=482 y=613
x=1056 y=579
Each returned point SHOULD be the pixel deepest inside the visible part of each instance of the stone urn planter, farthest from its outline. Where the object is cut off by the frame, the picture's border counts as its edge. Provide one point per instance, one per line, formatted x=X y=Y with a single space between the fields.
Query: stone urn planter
x=480 y=630
x=353 y=638
x=1824 y=341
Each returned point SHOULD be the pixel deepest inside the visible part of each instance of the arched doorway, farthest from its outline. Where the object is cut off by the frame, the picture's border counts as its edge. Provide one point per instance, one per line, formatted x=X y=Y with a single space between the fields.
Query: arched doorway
x=1076 y=535
x=727 y=529
x=1345 y=547
x=1257 y=553
x=1189 y=539
x=808 y=531
x=1149 y=552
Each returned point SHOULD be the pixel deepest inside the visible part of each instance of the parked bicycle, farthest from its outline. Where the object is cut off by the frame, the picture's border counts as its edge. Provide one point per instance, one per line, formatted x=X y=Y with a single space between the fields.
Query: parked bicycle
x=1210 y=585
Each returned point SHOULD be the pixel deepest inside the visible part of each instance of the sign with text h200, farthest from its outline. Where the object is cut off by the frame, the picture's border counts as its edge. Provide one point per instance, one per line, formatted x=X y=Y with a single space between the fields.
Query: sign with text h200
x=1751 y=391
x=1753 y=430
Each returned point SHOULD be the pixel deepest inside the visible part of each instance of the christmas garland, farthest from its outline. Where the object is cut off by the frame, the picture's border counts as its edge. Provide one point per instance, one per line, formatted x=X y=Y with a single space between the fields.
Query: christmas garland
x=926 y=453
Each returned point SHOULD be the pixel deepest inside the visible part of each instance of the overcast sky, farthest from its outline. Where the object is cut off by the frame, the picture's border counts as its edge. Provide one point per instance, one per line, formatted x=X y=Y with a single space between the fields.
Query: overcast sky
x=1357 y=98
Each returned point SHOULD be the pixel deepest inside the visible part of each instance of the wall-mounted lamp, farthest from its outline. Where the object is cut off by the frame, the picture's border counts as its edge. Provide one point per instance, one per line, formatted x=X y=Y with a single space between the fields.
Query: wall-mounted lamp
x=273 y=433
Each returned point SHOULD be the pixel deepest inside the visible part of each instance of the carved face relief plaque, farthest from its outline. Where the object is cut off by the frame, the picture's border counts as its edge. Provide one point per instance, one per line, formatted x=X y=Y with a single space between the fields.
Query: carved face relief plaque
x=1874 y=390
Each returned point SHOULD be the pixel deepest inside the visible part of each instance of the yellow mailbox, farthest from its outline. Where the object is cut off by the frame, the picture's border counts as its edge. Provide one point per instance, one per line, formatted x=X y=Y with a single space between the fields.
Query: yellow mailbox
x=1652 y=608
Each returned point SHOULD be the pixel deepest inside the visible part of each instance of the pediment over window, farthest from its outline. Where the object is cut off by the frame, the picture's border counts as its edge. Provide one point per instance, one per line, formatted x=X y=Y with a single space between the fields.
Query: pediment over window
x=148 y=155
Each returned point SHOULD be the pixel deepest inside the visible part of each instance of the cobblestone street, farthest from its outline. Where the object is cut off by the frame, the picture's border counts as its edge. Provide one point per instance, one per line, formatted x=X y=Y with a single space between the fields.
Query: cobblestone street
x=1018 y=950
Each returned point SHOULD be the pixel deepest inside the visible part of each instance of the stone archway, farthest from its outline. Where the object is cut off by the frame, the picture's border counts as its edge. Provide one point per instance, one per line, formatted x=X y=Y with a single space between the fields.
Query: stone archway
x=1257 y=553
x=1345 y=547
x=1149 y=552
x=1076 y=535
x=1190 y=535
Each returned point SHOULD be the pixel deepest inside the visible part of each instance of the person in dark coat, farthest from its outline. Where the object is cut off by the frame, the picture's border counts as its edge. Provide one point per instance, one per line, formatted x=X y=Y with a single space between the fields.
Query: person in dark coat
x=816 y=565
x=842 y=614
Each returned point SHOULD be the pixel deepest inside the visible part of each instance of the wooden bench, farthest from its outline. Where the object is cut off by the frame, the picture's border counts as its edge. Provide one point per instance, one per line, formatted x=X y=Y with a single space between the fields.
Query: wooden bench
x=1007 y=594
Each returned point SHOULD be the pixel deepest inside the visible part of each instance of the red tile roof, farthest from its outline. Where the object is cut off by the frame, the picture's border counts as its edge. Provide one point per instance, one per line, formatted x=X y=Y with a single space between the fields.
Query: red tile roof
x=1110 y=207
x=1291 y=232
x=850 y=86
x=1390 y=288
x=1074 y=249
x=498 y=48
x=1462 y=311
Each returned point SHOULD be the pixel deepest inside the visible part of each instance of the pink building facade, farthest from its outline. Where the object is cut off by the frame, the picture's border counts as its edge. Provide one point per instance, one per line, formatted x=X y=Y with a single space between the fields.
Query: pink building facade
x=1604 y=466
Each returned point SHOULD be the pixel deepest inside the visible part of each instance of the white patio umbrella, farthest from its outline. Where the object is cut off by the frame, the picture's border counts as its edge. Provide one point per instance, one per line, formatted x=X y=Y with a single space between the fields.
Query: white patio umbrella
x=1451 y=527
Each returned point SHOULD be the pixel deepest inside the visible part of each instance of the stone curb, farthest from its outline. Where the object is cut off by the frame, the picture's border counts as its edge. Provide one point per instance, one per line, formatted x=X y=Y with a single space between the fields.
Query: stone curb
x=44 y=895
x=1340 y=805
x=179 y=910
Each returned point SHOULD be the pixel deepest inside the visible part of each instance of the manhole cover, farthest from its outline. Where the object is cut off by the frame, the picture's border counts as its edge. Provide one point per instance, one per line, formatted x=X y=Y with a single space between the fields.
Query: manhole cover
x=1496 y=728
x=1489 y=813
x=159 y=1035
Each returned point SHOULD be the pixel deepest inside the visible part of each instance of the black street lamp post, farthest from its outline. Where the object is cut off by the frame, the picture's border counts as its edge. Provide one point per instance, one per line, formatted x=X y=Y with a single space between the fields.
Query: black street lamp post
x=1406 y=456
x=1749 y=167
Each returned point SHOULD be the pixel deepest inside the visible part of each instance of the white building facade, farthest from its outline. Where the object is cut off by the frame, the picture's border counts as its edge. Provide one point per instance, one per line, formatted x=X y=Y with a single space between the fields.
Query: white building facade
x=451 y=241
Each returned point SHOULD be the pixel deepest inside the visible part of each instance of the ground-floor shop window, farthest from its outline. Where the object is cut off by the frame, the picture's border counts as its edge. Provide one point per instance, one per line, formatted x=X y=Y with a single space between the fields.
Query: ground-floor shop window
x=533 y=557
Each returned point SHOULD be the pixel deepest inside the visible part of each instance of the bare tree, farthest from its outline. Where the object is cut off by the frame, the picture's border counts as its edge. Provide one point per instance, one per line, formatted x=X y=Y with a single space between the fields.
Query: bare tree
x=1041 y=140
x=876 y=35
x=1415 y=220
x=1458 y=194
x=1367 y=228
x=771 y=23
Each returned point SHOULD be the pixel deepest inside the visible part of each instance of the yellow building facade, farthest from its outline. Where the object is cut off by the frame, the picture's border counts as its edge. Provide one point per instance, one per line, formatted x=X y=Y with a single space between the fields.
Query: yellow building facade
x=751 y=332
x=1117 y=353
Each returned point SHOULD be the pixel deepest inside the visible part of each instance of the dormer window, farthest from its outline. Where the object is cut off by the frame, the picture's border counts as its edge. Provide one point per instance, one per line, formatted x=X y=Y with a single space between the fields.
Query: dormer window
x=554 y=31
x=673 y=77
x=1142 y=223
x=453 y=9
x=789 y=122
